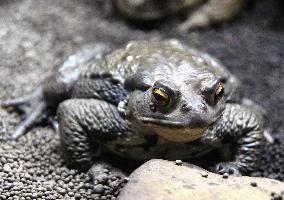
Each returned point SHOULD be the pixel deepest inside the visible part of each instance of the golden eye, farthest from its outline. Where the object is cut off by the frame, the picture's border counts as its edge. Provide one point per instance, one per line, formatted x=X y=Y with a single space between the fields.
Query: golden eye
x=218 y=92
x=161 y=96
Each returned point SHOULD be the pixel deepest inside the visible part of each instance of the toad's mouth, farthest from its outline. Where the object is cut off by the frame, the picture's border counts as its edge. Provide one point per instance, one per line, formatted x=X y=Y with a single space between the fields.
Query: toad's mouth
x=174 y=131
x=163 y=122
x=171 y=124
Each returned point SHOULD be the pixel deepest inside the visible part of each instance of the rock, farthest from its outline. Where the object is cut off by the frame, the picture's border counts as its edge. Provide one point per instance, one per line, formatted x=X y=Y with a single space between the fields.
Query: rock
x=164 y=180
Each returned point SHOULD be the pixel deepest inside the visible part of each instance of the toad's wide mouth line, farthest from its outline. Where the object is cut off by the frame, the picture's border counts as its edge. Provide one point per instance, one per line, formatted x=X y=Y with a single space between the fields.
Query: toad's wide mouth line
x=168 y=123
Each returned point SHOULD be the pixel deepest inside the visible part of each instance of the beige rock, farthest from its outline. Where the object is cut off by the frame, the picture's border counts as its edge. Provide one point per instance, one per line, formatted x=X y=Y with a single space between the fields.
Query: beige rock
x=164 y=180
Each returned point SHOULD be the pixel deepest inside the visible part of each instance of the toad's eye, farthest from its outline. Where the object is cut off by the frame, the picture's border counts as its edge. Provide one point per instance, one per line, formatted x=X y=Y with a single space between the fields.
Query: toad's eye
x=218 y=92
x=160 y=96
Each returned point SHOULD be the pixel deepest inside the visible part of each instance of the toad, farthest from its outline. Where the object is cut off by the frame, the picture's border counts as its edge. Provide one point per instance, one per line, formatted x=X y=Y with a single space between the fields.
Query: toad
x=150 y=99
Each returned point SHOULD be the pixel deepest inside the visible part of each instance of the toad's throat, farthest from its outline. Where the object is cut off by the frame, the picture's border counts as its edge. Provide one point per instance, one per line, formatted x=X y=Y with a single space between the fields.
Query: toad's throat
x=174 y=131
x=183 y=134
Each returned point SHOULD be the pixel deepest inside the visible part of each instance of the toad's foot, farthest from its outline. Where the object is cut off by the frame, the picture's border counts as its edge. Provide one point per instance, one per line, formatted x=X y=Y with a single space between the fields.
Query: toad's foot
x=103 y=173
x=102 y=167
x=34 y=110
x=213 y=12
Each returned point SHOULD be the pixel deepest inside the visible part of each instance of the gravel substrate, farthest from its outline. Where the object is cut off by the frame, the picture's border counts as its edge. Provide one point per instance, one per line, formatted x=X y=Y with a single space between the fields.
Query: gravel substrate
x=37 y=35
x=32 y=168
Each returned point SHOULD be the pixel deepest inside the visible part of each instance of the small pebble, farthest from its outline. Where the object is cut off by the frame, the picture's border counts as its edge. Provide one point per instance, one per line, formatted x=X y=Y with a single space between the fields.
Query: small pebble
x=126 y=179
x=277 y=197
x=7 y=168
x=178 y=162
x=253 y=184
x=225 y=175
x=204 y=174
x=272 y=193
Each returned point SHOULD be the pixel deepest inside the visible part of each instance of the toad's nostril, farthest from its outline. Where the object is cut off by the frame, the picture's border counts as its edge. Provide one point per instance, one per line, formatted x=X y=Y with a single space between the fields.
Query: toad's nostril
x=185 y=107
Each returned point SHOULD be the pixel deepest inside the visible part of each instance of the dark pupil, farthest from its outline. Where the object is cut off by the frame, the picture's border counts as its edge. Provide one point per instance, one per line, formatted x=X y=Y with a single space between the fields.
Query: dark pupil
x=159 y=97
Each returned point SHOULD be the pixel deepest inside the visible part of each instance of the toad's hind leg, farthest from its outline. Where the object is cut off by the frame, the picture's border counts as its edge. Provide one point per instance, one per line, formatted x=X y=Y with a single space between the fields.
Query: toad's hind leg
x=213 y=12
x=84 y=124
x=42 y=102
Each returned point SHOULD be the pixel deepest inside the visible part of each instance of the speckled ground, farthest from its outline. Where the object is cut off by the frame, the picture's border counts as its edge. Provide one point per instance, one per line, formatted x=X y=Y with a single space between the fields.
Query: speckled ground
x=36 y=36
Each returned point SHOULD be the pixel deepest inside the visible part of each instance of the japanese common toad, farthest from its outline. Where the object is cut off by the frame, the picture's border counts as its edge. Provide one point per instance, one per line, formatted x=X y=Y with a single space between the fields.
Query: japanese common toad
x=151 y=99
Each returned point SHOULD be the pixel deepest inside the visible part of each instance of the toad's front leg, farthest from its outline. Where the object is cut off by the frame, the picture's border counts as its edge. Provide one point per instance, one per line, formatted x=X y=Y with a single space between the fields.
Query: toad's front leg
x=84 y=124
x=42 y=103
x=242 y=128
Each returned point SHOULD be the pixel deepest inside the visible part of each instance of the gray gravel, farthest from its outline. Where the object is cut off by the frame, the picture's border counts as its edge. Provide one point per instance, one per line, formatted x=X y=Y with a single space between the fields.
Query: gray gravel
x=37 y=35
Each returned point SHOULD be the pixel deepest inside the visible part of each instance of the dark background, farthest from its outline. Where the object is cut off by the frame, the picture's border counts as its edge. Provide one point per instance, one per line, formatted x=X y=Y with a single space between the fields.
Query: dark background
x=37 y=35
